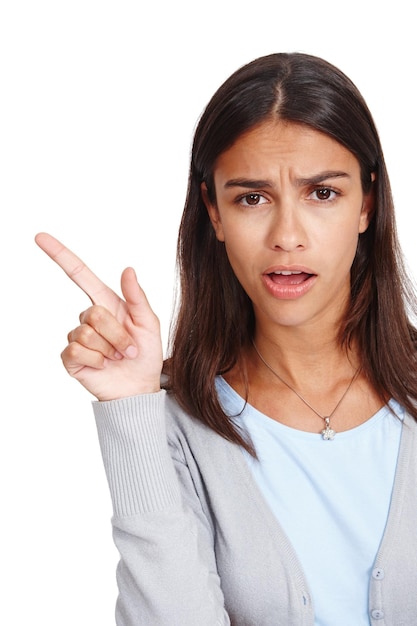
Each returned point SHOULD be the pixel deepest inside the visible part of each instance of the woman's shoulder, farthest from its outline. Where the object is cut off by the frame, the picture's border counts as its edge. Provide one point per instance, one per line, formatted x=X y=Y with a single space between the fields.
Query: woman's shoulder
x=183 y=425
x=196 y=442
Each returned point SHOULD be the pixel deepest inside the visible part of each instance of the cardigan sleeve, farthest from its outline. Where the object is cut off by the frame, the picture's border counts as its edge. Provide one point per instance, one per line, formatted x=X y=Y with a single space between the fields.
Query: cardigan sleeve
x=167 y=571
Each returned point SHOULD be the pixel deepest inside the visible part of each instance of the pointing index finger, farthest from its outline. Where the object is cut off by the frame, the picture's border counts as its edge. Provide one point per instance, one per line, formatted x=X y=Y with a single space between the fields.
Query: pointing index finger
x=76 y=269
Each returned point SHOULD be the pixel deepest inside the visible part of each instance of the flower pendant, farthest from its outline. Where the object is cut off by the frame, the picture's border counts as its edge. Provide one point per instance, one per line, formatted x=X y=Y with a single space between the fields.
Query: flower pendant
x=327 y=433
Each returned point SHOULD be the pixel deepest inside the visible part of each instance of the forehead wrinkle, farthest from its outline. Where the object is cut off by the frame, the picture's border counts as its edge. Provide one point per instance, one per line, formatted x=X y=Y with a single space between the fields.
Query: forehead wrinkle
x=321 y=177
x=268 y=156
x=300 y=182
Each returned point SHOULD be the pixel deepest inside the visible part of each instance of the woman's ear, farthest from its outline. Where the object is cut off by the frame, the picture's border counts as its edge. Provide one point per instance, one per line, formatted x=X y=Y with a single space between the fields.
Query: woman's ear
x=213 y=212
x=368 y=206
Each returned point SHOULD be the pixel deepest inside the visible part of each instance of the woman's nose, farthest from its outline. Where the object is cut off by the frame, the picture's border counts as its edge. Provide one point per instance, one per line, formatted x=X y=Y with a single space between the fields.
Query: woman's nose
x=287 y=232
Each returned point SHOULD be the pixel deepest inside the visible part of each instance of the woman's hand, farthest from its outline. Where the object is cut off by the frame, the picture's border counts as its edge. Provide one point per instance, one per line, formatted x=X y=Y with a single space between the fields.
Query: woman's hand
x=116 y=351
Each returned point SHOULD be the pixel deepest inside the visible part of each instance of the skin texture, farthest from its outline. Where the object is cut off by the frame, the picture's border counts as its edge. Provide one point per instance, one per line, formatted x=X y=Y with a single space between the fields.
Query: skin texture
x=289 y=222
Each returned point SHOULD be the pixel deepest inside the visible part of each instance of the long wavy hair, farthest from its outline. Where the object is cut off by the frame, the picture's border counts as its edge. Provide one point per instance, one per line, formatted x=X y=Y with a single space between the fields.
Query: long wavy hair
x=214 y=319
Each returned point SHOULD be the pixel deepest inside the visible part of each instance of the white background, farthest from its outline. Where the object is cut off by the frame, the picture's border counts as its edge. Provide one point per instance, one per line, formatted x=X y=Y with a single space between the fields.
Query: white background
x=98 y=102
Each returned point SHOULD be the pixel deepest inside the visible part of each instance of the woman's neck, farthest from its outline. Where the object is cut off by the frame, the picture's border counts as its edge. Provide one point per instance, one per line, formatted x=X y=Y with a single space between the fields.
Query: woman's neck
x=303 y=357
x=278 y=370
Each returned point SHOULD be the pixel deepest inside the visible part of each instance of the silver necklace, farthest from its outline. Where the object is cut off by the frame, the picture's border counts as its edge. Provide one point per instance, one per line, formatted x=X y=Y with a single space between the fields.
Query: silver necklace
x=328 y=434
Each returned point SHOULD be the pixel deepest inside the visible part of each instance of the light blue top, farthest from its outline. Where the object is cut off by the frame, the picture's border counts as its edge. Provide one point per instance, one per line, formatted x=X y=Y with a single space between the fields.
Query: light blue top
x=331 y=497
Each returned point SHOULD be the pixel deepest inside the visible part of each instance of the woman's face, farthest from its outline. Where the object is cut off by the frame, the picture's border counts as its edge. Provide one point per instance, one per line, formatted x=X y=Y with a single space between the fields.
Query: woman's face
x=289 y=208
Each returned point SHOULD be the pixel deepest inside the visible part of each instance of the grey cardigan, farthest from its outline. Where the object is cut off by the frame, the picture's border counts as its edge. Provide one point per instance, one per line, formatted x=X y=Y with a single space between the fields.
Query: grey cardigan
x=199 y=545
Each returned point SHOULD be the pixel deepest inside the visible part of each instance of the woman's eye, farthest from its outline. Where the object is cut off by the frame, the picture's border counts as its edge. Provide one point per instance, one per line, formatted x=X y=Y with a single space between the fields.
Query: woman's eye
x=324 y=193
x=252 y=199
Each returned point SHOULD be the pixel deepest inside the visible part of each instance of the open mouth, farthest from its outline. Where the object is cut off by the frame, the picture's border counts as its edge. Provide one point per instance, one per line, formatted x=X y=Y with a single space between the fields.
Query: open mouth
x=286 y=277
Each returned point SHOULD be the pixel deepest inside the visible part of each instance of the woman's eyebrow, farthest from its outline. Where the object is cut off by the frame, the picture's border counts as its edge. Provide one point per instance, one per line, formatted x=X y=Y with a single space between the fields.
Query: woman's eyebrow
x=321 y=177
x=249 y=183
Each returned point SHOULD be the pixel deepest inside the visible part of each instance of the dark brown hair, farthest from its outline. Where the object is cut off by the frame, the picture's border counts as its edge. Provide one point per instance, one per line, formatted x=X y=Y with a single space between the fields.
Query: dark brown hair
x=215 y=318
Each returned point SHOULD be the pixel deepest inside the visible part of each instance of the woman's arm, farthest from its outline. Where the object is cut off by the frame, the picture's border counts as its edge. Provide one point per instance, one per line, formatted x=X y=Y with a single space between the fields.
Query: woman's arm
x=167 y=572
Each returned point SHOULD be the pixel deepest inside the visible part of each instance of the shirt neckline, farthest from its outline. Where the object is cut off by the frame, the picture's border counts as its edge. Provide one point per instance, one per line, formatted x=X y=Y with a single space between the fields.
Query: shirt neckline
x=237 y=408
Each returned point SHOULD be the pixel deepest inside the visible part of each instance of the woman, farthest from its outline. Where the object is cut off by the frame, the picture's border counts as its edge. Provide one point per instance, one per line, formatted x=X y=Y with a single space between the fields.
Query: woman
x=273 y=479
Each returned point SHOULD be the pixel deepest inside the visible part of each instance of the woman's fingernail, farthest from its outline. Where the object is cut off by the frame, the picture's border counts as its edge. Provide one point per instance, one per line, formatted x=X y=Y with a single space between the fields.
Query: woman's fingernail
x=131 y=352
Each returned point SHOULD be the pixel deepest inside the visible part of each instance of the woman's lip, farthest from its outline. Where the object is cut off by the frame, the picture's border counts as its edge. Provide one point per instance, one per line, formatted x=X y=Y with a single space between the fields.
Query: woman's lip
x=288 y=291
x=289 y=268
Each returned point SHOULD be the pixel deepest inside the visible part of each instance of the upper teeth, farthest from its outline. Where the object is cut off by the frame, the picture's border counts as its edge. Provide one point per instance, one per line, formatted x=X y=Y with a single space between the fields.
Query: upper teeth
x=287 y=273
